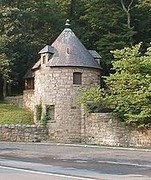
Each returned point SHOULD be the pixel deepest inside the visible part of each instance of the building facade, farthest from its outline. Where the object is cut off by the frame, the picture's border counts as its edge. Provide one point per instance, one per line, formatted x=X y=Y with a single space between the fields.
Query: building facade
x=53 y=88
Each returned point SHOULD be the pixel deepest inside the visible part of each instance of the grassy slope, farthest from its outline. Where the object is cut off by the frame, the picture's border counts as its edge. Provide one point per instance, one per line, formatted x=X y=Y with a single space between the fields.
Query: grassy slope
x=10 y=114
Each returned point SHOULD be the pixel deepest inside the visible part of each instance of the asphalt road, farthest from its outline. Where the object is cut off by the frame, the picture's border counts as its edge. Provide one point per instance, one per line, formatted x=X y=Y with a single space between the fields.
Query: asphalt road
x=9 y=173
x=58 y=161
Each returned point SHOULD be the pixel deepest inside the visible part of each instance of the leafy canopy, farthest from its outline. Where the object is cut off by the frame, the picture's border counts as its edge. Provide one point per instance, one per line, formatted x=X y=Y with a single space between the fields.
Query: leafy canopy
x=4 y=67
x=130 y=85
x=92 y=98
x=129 y=88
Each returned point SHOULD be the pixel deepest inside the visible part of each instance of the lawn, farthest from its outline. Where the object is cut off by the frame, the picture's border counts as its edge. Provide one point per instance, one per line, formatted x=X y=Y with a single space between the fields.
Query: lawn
x=10 y=114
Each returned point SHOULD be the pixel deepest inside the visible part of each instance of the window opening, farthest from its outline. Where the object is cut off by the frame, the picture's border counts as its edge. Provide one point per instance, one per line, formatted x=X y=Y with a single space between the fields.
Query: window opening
x=44 y=59
x=50 y=111
x=29 y=84
x=49 y=56
x=77 y=78
x=68 y=51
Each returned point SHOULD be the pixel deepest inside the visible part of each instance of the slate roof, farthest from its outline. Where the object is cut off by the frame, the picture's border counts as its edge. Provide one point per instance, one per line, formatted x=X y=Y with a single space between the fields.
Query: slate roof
x=70 y=52
x=47 y=49
x=95 y=54
x=67 y=51
x=37 y=65
x=29 y=74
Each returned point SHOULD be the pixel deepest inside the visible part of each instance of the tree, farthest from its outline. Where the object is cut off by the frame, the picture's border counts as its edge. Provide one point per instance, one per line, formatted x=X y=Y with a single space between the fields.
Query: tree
x=130 y=86
x=5 y=72
x=110 y=24
x=103 y=27
x=127 y=9
x=92 y=99
x=145 y=2
x=27 y=26
x=128 y=91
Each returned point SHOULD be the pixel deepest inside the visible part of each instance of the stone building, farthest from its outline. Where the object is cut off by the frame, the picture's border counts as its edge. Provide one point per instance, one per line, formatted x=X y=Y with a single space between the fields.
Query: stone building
x=52 y=88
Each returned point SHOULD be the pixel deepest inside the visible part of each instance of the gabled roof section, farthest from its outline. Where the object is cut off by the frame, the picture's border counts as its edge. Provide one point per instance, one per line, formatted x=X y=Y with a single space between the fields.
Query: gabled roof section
x=29 y=74
x=36 y=65
x=47 y=49
x=70 y=52
x=95 y=54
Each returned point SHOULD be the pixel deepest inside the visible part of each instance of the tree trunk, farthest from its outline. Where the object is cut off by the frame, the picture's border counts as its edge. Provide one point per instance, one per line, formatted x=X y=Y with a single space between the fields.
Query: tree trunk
x=127 y=10
x=4 y=88
x=72 y=7
x=9 y=89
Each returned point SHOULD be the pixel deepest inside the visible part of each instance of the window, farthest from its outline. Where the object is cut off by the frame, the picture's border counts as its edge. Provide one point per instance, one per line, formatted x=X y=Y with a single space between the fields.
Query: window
x=68 y=51
x=50 y=113
x=29 y=84
x=49 y=56
x=44 y=59
x=77 y=78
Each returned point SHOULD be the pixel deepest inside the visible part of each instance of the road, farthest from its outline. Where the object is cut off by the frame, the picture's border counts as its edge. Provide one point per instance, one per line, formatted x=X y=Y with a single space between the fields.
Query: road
x=66 y=162
x=9 y=173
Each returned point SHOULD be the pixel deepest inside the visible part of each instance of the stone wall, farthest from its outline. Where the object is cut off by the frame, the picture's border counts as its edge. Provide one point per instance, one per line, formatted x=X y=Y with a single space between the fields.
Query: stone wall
x=54 y=87
x=23 y=133
x=16 y=100
x=28 y=99
x=25 y=101
x=105 y=129
x=96 y=128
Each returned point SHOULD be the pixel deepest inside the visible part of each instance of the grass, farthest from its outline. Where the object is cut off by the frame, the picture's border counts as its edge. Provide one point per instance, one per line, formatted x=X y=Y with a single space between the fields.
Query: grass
x=10 y=114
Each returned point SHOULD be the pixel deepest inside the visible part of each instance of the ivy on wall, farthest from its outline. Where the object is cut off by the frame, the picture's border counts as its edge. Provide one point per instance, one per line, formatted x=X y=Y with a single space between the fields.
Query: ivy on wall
x=45 y=117
x=38 y=112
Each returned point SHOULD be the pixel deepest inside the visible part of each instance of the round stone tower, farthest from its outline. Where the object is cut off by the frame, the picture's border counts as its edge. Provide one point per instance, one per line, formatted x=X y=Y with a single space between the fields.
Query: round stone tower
x=63 y=69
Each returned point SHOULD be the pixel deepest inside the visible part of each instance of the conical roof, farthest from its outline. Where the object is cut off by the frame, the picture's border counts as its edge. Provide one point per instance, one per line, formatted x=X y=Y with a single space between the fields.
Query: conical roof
x=70 y=52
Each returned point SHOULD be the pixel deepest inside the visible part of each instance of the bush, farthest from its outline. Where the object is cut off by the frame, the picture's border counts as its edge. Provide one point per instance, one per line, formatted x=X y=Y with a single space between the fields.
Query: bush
x=94 y=100
x=130 y=85
x=129 y=88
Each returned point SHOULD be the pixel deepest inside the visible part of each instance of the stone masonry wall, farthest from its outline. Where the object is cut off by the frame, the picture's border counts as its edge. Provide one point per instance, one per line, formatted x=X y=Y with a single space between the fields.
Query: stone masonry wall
x=25 y=101
x=54 y=86
x=105 y=129
x=23 y=133
x=16 y=100
x=28 y=99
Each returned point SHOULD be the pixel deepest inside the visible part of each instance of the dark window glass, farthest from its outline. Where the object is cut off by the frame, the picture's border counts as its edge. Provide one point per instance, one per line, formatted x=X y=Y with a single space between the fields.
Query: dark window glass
x=50 y=113
x=77 y=78
x=68 y=51
x=29 y=84
x=49 y=56
x=44 y=59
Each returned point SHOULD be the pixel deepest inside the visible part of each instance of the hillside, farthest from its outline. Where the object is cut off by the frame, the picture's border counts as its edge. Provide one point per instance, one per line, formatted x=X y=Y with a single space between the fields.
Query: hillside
x=10 y=114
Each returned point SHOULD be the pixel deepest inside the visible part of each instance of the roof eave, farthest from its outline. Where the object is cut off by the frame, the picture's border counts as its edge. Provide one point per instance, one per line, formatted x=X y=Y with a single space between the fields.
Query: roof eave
x=53 y=66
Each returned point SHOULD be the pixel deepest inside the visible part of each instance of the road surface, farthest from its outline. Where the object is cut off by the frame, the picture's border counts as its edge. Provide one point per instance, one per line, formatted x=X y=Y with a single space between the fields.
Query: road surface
x=19 y=161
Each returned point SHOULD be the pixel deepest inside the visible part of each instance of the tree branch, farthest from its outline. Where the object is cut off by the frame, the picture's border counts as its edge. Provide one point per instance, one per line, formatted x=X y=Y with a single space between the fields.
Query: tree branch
x=127 y=10
x=123 y=6
x=129 y=6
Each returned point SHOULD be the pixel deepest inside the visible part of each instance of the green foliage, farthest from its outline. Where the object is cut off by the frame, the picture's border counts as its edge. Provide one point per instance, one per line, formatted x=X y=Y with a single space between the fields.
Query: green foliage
x=28 y=25
x=129 y=88
x=46 y=117
x=145 y=2
x=38 y=112
x=10 y=114
x=130 y=85
x=44 y=120
x=5 y=71
x=5 y=67
x=93 y=99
